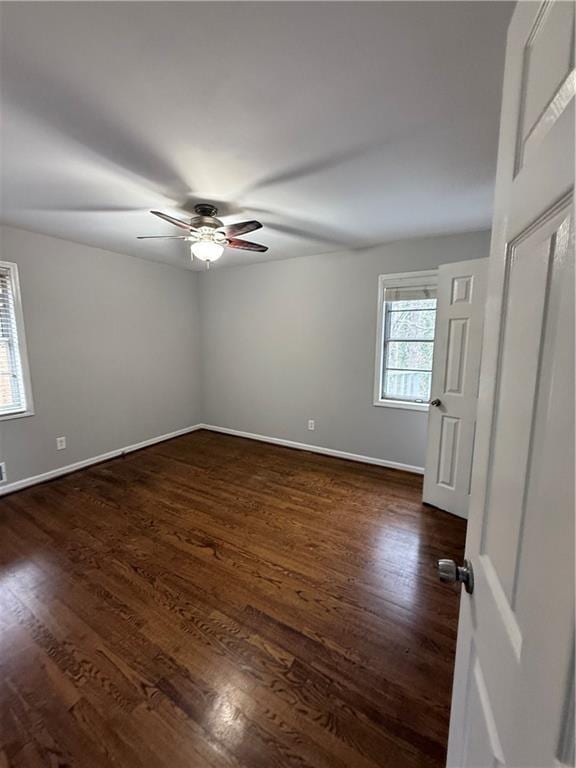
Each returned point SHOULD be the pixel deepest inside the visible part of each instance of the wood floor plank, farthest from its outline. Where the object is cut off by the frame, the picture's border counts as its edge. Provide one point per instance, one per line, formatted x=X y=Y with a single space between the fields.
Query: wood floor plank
x=214 y=601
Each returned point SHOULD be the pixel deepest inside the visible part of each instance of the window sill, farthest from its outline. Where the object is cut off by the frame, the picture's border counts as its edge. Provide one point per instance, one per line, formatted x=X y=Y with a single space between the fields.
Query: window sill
x=16 y=415
x=403 y=404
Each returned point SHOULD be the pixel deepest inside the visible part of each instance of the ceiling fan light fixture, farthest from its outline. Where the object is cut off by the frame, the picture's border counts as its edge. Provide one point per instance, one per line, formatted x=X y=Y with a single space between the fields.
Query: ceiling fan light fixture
x=208 y=236
x=207 y=250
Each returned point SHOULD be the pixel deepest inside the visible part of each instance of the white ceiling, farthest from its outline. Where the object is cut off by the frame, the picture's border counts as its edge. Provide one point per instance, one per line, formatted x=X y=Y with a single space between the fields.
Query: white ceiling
x=338 y=125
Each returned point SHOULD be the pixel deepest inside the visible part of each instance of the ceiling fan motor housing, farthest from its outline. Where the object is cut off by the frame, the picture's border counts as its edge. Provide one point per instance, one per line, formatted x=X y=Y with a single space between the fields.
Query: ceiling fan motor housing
x=206 y=217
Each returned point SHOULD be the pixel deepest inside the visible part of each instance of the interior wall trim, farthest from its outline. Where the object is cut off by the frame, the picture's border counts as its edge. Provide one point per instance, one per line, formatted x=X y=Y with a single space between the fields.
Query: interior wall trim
x=316 y=449
x=18 y=485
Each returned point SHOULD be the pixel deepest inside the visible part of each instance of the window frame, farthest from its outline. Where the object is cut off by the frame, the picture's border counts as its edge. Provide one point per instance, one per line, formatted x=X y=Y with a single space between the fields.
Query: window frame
x=424 y=278
x=22 y=347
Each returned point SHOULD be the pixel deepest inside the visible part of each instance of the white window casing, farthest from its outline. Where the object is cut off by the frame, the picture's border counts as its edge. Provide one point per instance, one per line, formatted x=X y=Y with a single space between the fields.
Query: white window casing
x=403 y=366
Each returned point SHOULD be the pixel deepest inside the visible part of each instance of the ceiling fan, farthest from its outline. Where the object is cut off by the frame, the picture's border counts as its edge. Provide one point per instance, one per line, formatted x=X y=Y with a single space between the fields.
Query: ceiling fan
x=207 y=235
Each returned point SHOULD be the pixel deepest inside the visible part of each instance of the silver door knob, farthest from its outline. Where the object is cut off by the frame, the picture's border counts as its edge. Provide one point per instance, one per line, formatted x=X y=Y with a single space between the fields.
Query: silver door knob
x=436 y=402
x=451 y=573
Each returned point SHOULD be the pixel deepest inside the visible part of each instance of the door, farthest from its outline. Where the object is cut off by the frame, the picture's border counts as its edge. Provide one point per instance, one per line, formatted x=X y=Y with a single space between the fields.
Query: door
x=455 y=376
x=514 y=677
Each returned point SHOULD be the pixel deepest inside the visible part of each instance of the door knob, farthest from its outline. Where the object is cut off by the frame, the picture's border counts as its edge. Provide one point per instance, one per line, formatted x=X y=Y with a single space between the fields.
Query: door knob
x=451 y=573
x=436 y=402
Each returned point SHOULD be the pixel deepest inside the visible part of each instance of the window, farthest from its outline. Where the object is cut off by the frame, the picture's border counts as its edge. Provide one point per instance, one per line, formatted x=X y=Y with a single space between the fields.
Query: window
x=15 y=394
x=405 y=346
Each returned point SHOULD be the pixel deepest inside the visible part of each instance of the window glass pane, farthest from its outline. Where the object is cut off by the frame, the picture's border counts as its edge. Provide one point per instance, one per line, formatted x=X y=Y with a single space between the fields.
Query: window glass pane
x=412 y=325
x=414 y=304
x=407 y=385
x=409 y=354
x=408 y=345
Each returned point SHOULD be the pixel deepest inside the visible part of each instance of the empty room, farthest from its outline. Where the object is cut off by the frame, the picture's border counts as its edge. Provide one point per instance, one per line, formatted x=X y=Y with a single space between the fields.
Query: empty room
x=287 y=384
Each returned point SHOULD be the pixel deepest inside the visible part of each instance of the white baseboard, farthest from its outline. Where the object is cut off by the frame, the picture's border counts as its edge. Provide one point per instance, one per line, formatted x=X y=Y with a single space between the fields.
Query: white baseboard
x=53 y=473
x=27 y=481
x=316 y=449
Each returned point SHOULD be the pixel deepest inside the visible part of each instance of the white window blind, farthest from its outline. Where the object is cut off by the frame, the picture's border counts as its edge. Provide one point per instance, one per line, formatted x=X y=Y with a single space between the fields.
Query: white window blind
x=13 y=394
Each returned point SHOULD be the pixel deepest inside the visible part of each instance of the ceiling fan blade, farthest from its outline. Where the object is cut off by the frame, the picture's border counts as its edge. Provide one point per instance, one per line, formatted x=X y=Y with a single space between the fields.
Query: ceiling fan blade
x=246 y=245
x=161 y=237
x=242 y=228
x=171 y=220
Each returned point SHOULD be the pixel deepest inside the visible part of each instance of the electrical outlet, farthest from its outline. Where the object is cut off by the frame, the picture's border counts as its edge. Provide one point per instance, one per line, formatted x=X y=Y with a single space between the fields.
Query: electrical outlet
x=60 y=443
x=2 y=472
x=311 y=425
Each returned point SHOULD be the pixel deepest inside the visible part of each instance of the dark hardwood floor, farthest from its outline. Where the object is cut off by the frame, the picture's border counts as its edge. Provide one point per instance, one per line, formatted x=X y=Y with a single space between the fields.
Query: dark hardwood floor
x=214 y=601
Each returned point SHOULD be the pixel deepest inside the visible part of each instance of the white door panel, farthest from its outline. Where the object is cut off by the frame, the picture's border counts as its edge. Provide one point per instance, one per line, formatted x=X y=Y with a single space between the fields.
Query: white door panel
x=514 y=678
x=546 y=83
x=520 y=350
x=457 y=352
x=482 y=744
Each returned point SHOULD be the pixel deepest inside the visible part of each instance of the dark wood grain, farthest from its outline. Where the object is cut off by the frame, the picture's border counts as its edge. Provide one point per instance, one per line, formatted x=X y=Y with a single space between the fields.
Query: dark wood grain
x=214 y=601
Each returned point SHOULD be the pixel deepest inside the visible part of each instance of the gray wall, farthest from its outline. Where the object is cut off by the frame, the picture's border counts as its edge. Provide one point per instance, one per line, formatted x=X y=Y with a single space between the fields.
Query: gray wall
x=286 y=341
x=113 y=345
x=123 y=350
